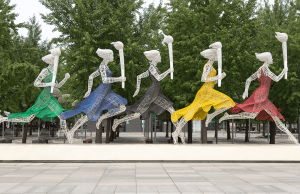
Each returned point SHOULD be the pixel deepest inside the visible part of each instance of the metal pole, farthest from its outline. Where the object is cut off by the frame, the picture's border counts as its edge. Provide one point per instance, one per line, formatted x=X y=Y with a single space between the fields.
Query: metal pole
x=269 y=131
x=22 y=130
x=39 y=124
x=217 y=129
x=249 y=129
x=85 y=133
x=49 y=129
x=154 y=128
x=232 y=132
x=3 y=130
x=13 y=126
x=151 y=125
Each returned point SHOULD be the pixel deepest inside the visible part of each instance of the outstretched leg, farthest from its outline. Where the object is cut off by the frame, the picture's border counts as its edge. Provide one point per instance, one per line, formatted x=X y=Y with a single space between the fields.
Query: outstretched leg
x=282 y=127
x=243 y=115
x=107 y=115
x=166 y=105
x=126 y=118
x=177 y=133
x=80 y=122
x=214 y=114
x=18 y=120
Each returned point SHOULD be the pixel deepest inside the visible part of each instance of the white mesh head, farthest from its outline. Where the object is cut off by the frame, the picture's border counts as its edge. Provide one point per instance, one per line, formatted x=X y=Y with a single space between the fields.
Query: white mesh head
x=265 y=57
x=152 y=55
x=210 y=54
x=49 y=59
x=104 y=53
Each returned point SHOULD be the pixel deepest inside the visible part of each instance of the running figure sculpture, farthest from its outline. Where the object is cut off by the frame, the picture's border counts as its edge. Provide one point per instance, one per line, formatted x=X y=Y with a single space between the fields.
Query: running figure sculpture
x=102 y=98
x=207 y=96
x=153 y=101
x=46 y=106
x=258 y=105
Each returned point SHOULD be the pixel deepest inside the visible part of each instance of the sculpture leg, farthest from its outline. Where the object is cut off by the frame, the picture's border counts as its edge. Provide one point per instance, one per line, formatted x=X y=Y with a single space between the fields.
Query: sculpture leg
x=243 y=115
x=214 y=114
x=80 y=122
x=178 y=132
x=63 y=125
x=107 y=115
x=282 y=127
x=167 y=106
x=126 y=118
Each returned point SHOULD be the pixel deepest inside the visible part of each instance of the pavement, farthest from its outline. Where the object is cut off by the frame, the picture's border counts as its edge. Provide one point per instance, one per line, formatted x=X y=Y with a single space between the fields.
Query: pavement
x=142 y=178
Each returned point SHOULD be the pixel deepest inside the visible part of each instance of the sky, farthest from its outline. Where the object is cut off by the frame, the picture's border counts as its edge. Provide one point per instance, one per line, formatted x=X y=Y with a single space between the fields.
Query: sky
x=27 y=8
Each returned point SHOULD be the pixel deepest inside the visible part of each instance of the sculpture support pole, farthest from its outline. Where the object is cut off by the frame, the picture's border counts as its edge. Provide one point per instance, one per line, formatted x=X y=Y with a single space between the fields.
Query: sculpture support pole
x=122 y=65
x=232 y=132
x=284 y=49
x=54 y=72
x=219 y=65
x=171 y=57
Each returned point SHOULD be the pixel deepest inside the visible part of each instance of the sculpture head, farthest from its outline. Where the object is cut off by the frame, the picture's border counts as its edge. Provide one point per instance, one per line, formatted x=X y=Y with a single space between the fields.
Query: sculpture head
x=210 y=54
x=153 y=55
x=105 y=54
x=118 y=45
x=49 y=59
x=264 y=57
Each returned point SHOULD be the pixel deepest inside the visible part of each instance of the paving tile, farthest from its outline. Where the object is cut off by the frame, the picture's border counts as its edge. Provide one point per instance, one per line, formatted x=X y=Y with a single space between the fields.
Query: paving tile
x=105 y=189
x=270 y=189
x=125 y=189
x=84 y=188
x=188 y=189
x=167 y=189
x=6 y=186
x=19 y=189
x=147 y=189
x=62 y=189
x=208 y=189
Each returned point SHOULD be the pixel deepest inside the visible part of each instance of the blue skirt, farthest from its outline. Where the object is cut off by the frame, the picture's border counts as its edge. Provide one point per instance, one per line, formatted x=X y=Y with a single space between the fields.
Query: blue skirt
x=102 y=98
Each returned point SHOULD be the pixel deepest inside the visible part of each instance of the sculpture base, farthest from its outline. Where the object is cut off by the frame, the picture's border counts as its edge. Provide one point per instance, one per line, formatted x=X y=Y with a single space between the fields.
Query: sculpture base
x=6 y=141
x=40 y=141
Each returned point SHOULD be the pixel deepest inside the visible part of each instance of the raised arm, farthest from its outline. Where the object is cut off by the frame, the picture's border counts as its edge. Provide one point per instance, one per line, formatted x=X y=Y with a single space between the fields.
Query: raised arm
x=106 y=79
x=138 y=82
x=67 y=76
x=39 y=79
x=271 y=75
x=158 y=76
x=248 y=82
x=207 y=69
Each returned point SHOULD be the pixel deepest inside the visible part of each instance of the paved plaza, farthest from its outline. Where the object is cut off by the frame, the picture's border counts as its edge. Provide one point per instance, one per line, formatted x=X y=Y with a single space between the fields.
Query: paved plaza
x=167 y=178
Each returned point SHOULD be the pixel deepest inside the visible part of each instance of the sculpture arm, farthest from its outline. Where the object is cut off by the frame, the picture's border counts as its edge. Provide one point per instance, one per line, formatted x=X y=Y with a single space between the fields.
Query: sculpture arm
x=207 y=69
x=39 y=79
x=106 y=79
x=90 y=83
x=158 y=76
x=138 y=82
x=248 y=82
x=275 y=78
x=67 y=76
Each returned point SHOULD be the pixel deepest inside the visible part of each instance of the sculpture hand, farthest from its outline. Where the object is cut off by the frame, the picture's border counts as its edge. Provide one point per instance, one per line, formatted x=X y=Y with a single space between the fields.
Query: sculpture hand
x=135 y=93
x=123 y=79
x=171 y=70
x=245 y=95
x=67 y=75
x=87 y=94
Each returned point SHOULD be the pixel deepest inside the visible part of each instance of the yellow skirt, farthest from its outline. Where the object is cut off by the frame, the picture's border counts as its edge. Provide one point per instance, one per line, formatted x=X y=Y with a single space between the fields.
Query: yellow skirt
x=204 y=100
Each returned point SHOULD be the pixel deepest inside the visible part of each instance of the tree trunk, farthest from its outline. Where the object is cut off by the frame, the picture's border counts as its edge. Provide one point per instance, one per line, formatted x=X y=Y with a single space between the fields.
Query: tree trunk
x=17 y=130
x=290 y=125
x=107 y=130
x=228 y=130
x=190 y=131
x=203 y=132
x=118 y=131
x=25 y=133
x=172 y=128
x=272 y=132
x=247 y=131
x=264 y=129
x=167 y=129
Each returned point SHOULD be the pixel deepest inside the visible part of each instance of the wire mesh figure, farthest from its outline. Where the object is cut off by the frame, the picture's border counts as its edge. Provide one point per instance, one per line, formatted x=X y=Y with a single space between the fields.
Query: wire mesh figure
x=207 y=96
x=258 y=104
x=102 y=98
x=46 y=106
x=153 y=101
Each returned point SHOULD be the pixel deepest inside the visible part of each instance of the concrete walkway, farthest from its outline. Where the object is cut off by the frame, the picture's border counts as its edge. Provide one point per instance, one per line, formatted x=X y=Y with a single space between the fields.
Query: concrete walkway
x=142 y=178
x=148 y=152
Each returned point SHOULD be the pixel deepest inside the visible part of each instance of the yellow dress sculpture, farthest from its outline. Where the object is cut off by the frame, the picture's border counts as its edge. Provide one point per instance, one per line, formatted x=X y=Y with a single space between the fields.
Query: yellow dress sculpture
x=206 y=97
